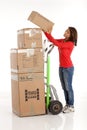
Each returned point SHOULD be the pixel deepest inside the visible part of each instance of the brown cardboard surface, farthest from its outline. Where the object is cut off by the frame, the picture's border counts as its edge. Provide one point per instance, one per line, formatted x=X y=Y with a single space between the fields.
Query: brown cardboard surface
x=41 y=21
x=29 y=38
x=28 y=94
x=27 y=60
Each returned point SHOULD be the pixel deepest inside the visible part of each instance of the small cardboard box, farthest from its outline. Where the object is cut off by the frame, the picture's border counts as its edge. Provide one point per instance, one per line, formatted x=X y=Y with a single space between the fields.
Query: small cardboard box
x=28 y=94
x=41 y=21
x=29 y=38
x=27 y=60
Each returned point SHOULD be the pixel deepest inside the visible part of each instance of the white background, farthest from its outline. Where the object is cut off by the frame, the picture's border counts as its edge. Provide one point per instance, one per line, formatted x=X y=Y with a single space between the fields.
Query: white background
x=64 y=13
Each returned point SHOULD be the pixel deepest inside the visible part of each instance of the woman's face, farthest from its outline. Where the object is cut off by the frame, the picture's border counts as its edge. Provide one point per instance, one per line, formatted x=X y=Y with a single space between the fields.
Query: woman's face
x=67 y=34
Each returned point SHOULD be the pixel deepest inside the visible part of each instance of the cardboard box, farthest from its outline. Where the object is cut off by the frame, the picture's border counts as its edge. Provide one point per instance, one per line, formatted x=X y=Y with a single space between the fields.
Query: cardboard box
x=29 y=38
x=28 y=94
x=27 y=60
x=41 y=21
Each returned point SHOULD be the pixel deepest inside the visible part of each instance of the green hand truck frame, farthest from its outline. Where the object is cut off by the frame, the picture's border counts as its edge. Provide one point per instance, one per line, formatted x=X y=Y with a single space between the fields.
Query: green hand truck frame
x=53 y=105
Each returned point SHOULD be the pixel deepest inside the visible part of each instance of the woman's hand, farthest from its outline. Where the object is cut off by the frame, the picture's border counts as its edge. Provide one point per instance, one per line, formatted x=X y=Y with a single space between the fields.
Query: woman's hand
x=48 y=30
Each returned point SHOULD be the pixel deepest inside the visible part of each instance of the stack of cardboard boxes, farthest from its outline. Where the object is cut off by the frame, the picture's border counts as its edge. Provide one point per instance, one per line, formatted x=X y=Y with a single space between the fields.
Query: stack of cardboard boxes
x=27 y=73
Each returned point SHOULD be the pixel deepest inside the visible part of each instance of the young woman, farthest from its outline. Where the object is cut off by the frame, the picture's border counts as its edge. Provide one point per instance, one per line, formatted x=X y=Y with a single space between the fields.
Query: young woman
x=66 y=67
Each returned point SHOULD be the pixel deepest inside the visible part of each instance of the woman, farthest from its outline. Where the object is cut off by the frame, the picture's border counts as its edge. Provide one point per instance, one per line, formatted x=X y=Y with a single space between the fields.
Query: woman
x=66 y=67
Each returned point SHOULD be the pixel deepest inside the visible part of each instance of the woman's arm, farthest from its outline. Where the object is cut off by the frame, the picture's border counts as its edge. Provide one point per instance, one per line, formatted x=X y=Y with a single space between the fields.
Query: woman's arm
x=51 y=39
x=58 y=43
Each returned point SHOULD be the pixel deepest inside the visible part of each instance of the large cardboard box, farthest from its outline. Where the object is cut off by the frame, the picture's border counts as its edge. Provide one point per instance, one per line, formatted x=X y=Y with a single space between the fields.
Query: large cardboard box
x=29 y=38
x=41 y=21
x=27 y=60
x=28 y=94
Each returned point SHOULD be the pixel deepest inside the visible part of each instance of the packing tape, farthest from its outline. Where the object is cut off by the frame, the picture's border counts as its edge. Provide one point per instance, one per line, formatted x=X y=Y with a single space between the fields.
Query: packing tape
x=33 y=45
x=14 y=70
x=20 y=32
x=32 y=32
x=29 y=52
x=14 y=77
x=13 y=51
x=28 y=77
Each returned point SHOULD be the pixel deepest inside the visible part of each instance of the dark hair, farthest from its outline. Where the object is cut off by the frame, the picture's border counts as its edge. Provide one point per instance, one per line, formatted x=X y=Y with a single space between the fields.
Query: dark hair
x=73 y=35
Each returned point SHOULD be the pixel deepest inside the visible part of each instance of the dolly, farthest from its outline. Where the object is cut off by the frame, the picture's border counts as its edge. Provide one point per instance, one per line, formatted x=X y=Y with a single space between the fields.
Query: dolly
x=53 y=105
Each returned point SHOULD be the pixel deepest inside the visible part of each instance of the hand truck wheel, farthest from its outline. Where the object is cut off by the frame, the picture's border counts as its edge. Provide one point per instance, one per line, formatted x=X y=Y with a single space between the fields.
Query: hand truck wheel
x=55 y=107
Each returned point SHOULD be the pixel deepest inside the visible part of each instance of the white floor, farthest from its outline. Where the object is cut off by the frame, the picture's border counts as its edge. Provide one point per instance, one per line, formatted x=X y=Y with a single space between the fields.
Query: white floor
x=71 y=121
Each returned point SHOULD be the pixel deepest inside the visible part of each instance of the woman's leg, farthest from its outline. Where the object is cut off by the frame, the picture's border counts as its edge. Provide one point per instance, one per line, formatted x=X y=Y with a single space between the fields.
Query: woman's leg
x=61 y=76
x=68 y=76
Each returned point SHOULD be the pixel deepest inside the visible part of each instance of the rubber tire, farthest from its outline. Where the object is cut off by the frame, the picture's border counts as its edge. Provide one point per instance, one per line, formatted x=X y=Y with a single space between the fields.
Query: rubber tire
x=55 y=107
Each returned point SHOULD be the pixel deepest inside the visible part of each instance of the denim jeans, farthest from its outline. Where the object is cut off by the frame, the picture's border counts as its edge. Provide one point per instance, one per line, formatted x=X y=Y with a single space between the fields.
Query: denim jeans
x=66 y=75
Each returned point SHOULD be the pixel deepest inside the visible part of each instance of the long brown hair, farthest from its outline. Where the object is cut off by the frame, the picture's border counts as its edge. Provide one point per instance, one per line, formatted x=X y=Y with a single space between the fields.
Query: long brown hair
x=73 y=35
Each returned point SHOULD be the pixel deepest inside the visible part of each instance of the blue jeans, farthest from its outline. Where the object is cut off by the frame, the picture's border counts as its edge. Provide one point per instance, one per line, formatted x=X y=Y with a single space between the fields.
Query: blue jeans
x=66 y=75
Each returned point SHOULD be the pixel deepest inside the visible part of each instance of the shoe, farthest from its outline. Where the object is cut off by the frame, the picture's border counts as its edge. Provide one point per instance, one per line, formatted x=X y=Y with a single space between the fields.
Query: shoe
x=65 y=107
x=69 y=109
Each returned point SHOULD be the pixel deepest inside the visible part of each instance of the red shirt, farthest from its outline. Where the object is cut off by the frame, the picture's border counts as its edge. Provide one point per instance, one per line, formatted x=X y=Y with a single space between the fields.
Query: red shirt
x=65 y=50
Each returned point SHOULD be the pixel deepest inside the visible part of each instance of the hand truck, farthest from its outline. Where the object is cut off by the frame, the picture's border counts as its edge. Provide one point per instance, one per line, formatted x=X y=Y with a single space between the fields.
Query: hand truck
x=53 y=105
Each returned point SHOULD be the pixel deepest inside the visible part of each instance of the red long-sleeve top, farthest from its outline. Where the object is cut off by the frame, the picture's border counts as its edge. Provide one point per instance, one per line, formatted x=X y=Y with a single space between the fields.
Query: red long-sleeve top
x=65 y=50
